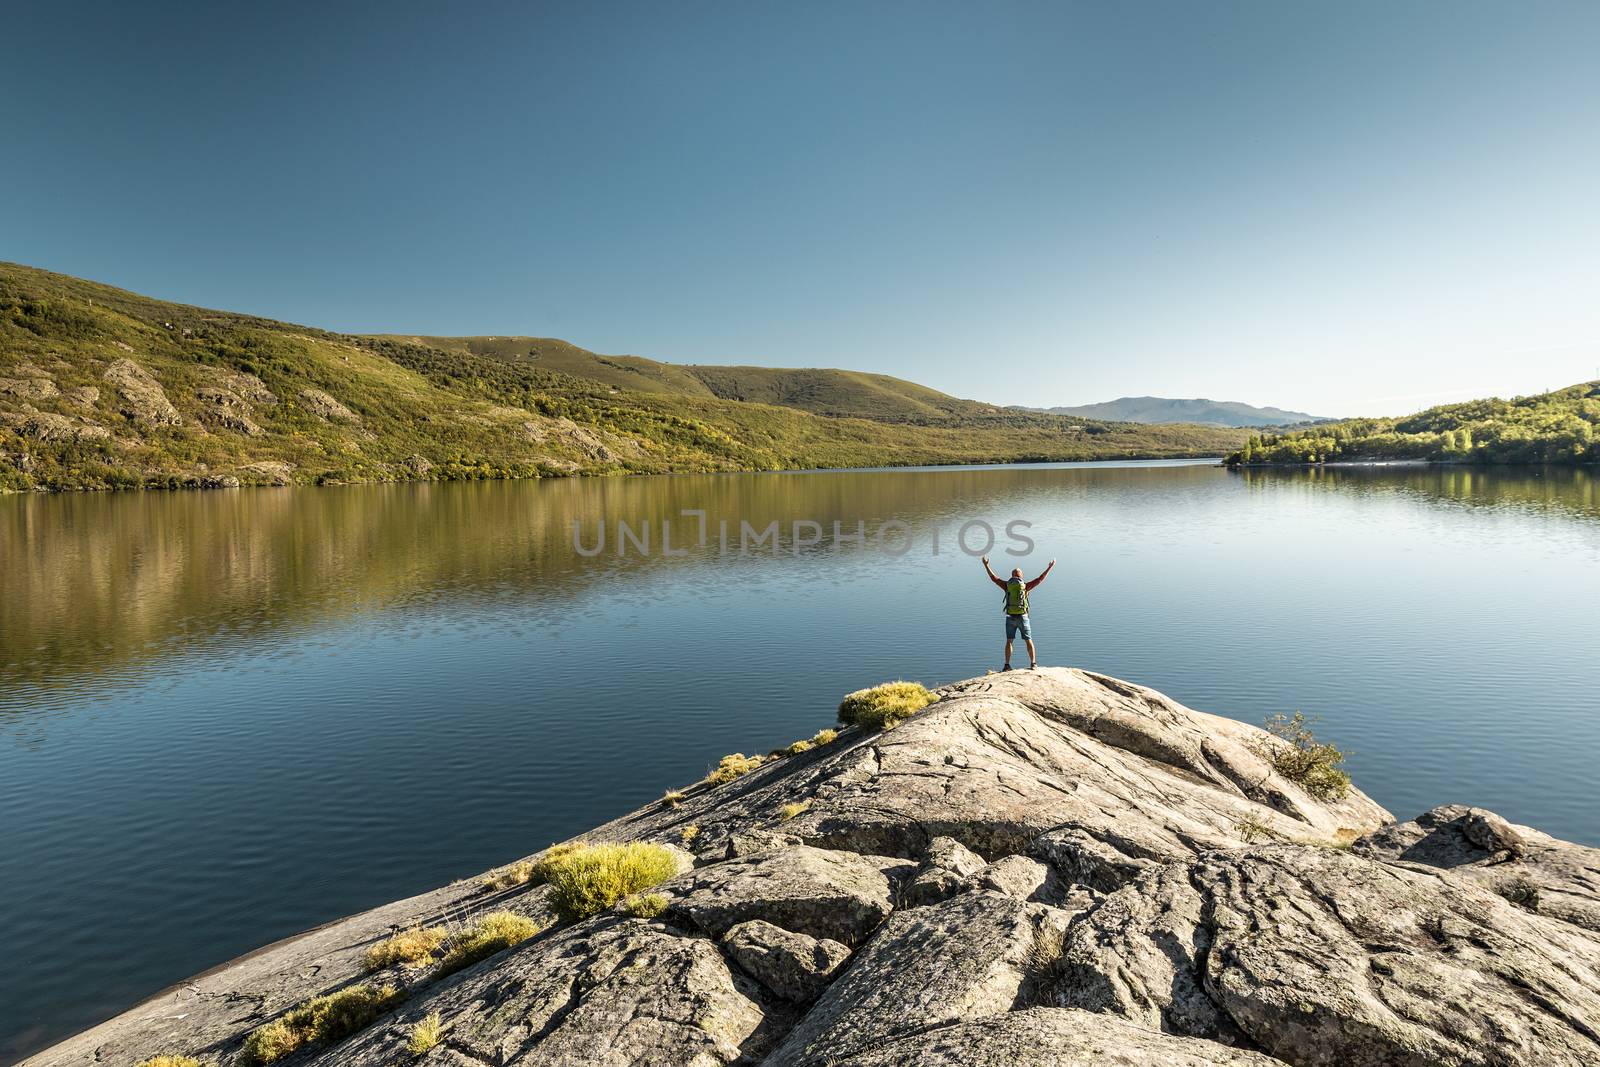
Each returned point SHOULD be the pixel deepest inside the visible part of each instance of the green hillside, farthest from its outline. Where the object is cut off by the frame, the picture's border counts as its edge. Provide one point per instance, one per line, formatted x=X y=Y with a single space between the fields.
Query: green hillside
x=820 y=391
x=1557 y=427
x=103 y=388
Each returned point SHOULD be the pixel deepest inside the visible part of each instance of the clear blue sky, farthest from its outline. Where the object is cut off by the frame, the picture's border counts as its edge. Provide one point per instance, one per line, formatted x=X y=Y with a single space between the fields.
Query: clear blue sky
x=1341 y=208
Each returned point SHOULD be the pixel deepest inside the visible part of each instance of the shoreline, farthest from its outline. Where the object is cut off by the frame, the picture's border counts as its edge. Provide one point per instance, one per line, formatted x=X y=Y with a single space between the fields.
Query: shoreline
x=1196 y=460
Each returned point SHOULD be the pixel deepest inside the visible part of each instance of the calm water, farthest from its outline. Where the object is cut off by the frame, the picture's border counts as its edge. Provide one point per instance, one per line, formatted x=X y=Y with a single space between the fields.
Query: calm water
x=226 y=717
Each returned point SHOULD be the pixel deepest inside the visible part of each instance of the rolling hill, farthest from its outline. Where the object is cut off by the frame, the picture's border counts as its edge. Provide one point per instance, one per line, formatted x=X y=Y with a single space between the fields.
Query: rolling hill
x=820 y=391
x=1157 y=409
x=103 y=388
x=1562 y=426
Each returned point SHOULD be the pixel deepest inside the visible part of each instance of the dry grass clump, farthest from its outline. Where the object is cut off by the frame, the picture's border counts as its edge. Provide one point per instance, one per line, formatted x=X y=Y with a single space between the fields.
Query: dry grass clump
x=413 y=947
x=645 y=905
x=171 y=1061
x=789 y=811
x=589 y=879
x=519 y=873
x=883 y=707
x=731 y=767
x=489 y=934
x=1311 y=764
x=825 y=737
x=319 y=1021
x=428 y=1032
x=672 y=798
x=689 y=833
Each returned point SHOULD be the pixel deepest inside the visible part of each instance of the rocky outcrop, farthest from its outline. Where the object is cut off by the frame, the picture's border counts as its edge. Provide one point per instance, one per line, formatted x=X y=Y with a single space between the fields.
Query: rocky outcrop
x=1049 y=867
x=326 y=408
x=1530 y=869
x=141 y=396
x=226 y=409
x=48 y=426
x=961 y=959
x=793 y=966
x=31 y=388
x=1322 y=956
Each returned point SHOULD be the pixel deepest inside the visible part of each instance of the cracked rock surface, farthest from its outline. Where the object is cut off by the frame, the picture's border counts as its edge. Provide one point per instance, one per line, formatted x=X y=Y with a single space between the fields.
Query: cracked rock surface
x=1043 y=867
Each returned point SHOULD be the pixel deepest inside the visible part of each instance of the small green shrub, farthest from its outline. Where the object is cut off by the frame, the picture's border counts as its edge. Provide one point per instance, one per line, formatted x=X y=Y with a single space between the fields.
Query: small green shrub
x=731 y=767
x=883 y=707
x=789 y=811
x=798 y=747
x=319 y=1021
x=825 y=737
x=1311 y=764
x=428 y=1032
x=645 y=905
x=1251 y=829
x=491 y=933
x=589 y=879
x=413 y=947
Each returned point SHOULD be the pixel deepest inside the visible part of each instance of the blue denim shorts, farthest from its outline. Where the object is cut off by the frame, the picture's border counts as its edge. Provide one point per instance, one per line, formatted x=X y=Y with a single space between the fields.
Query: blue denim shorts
x=1016 y=624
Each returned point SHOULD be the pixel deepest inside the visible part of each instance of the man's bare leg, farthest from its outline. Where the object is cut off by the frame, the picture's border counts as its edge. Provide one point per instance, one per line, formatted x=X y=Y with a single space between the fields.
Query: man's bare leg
x=1033 y=657
x=1008 y=652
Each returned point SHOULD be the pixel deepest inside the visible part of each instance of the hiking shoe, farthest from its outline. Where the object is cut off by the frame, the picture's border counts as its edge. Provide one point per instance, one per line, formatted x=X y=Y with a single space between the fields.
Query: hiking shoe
x=1007 y=667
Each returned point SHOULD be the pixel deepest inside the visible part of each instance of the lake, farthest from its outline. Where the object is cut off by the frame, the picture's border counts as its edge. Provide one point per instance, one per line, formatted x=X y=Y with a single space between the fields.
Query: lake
x=226 y=717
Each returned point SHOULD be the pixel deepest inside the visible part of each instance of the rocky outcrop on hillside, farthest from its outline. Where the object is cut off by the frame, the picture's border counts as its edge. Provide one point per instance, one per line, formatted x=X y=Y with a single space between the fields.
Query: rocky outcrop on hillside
x=1042 y=867
x=141 y=397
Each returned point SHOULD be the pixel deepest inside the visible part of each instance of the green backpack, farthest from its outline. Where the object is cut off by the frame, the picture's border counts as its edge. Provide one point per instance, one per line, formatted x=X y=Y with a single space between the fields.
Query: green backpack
x=1016 y=597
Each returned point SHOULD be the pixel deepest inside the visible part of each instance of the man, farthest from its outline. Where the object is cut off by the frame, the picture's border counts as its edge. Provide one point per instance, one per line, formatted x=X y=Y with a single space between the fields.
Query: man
x=1016 y=608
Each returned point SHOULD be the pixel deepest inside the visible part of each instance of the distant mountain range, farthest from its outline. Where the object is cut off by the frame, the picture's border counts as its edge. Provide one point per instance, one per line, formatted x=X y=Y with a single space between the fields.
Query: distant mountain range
x=1160 y=409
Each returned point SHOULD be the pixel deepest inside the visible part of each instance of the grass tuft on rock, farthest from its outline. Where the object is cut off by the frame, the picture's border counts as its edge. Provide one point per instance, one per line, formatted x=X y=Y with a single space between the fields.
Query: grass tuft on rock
x=1311 y=764
x=645 y=905
x=734 y=766
x=689 y=833
x=883 y=707
x=319 y=1021
x=1251 y=829
x=489 y=934
x=825 y=737
x=519 y=873
x=672 y=798
x=171 y=1061
x=789 y=811
x=413 y=948
x=428 y=1032
x=589 y=879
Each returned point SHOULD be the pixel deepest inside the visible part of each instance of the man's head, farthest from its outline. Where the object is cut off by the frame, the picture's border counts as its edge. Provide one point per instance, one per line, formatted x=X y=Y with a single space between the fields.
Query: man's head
x=1016 y=572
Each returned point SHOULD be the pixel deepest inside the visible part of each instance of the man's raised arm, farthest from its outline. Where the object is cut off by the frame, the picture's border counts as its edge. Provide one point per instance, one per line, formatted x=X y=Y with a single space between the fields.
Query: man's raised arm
x=993 y=577
x=1045 y=573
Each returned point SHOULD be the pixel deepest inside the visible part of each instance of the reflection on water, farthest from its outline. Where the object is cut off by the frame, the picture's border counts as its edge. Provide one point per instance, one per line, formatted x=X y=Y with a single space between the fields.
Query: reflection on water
x=411 y=683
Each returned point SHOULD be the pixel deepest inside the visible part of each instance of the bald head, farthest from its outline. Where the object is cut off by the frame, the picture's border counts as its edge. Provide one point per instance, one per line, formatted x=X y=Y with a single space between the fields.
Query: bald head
x=1016 y=572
